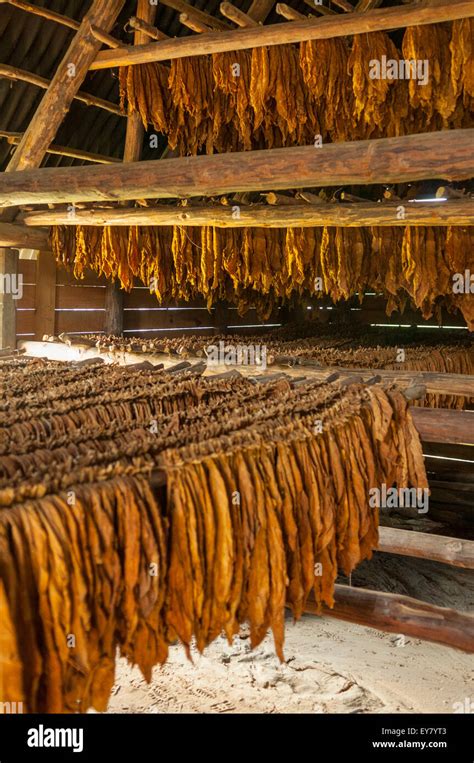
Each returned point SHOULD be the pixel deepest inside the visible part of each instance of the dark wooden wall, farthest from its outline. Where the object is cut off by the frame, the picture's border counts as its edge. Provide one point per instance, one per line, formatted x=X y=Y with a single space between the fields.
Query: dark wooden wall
x=72 y=306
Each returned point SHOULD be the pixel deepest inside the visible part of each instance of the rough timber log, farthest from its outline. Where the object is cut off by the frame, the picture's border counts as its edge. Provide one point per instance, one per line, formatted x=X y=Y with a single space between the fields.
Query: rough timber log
x=87 y=156
x=183 y=7
x=438 y=548
x=260 y=9
x=64 y=86
x=20 y=75
x=438 y=155
x=401 y=614
x=21 y=237
x=58 y=18
x=456 y=212
x=334 y=25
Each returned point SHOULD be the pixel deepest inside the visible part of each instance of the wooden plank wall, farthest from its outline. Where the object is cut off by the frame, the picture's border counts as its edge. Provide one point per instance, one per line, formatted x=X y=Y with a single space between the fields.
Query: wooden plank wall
x=80 y=308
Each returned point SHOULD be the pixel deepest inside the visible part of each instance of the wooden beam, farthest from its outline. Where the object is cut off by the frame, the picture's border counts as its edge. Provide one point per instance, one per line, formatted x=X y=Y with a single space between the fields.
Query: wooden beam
x=321 y=9
x=21 y=237
x=439 y=548
x=148 y=29
x=45 y=317
x=289 y=13
x=45 y=13
x=20 y=75
x=106 y=39
x=368 y=5
x=395 y=613
x=192 y=23
x=296 y=214
x=260 y=9
x=15 y=139
x=8 y=273
x=438 y=155
x=64 y=86
x=58 y=18
x=344 y=5
x=237 y=16
x=336 y=25
x=439 y=425
x=192 y=12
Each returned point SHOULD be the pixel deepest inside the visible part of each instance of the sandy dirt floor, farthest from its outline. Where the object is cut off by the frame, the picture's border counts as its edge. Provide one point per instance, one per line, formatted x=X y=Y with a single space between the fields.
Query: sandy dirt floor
x=331 y=666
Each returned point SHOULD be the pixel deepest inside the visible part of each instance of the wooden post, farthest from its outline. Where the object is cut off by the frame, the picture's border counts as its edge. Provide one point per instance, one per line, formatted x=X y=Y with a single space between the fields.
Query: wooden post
x=8 y=271
x=45 y=321
x=221 y=318
x=113 y=309
x=132 y=153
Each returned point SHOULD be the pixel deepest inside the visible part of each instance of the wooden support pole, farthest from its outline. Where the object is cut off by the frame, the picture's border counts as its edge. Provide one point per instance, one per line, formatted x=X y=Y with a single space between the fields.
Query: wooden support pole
x=132 y=153
x=336 y=25
x=21 y=237
x=15 y=139
x=64 y=86
x=438 y=155
x=295 y=214
x=236 y=15
x=58 y=18
x=20 y=75
x=113 y=324
x=438 y=548
x=8 y=276
x=401 y=614
x=45 y=318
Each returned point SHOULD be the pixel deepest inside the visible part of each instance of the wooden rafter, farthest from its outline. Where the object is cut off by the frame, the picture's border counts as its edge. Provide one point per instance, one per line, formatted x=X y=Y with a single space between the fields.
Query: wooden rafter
x=64 y=86
x=237 y=16
x=438 y=155
x=205 y=18
x=299 y=214
x=59 y=18
x=87 y=156
x=289 y=13
x=191 y=22
x=20 y=75
x=259 y=9
x=344 y=5
x=338 y=25
x=368 y=5
x=149 y=30
x=322 y=10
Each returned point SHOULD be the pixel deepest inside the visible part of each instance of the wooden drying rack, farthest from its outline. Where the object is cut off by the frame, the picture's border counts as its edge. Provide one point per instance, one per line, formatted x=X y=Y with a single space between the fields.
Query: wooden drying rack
x=392 y=613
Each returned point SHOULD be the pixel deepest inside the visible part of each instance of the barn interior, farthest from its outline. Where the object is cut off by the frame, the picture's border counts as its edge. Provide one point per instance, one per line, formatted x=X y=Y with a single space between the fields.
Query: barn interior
x=236 y=355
